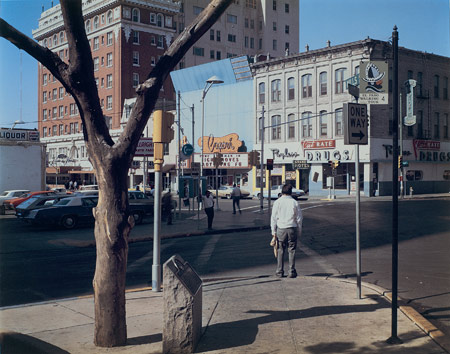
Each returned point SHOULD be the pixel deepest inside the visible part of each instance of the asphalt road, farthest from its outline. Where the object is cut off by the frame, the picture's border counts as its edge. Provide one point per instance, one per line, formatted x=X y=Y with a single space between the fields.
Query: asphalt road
x=36 y=266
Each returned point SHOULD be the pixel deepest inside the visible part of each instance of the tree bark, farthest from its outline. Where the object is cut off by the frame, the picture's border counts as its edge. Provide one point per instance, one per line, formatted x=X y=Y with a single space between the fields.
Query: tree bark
x=110 y=160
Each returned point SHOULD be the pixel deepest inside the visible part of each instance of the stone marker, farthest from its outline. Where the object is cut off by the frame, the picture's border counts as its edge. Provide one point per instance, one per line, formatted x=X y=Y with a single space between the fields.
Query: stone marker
x=182 y=295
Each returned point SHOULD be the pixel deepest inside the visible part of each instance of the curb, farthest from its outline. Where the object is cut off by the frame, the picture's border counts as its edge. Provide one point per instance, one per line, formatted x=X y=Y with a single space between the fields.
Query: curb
x=426 y=326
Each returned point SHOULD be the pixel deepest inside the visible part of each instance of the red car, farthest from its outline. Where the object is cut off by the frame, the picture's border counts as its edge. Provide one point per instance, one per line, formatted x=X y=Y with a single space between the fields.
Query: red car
x=13 y=203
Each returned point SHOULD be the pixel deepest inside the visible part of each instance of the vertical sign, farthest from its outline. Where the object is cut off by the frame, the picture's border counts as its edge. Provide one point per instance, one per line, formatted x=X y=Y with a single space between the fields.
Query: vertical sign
x=410 y=118
x=374 y=83
x=355 y=124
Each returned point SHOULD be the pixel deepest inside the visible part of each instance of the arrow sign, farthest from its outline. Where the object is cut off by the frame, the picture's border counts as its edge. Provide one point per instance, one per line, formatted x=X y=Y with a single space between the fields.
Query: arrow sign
x=355 y=124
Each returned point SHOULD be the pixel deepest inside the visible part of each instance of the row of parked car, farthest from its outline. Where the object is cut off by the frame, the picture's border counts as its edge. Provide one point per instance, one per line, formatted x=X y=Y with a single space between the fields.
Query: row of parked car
x=275 y=192
x=68 y=209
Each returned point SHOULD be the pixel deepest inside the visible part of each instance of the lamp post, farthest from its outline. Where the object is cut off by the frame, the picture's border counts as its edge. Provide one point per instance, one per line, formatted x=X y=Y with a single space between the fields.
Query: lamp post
x=211 y=81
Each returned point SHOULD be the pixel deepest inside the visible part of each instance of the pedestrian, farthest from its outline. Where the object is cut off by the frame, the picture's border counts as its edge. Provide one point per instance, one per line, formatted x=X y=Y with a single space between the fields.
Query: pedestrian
x=286 y=225
x=208 y=205
x=75 y=185
x=71 y=185
x=236 y=195
x=167 y=207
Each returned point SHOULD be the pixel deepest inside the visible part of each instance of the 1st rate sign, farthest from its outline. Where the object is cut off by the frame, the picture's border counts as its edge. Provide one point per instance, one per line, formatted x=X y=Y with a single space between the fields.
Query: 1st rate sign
x=355 y=123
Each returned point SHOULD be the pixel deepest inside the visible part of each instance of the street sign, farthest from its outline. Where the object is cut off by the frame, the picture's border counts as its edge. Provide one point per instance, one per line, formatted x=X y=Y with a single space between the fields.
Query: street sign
x=145 y=147
x=410 y=118
x=301 y=165
x=374 y=83
x=187 y=149
x=355 y=124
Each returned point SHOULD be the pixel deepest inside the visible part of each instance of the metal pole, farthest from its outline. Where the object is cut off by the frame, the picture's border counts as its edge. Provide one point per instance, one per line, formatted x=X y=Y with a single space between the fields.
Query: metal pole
x=203 y=130
x=400 y=125
x=156 y=267
x=358 y=237
x=269 y=186
x=261 y=184
x=217 y=188
x=394 y=338
x=179 y=156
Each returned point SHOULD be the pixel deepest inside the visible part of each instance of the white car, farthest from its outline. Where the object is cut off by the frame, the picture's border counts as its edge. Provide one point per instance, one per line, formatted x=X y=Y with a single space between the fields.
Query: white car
x=9 y=195
x=275 y=192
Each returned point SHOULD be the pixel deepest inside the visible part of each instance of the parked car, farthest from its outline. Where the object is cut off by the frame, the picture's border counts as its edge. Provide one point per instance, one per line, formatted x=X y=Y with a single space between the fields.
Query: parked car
x=225 y=192
x=9 y=195
x=89 y=187
x=13 y=203
x=36 y=202
x=61 y=190
x=275 y=192
x=140 y=205
x=68 y=212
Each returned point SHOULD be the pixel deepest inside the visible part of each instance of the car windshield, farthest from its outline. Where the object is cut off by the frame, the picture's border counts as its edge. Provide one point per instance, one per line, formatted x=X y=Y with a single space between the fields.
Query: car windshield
x=28 y=202
x=4 y=194
x=64 y=201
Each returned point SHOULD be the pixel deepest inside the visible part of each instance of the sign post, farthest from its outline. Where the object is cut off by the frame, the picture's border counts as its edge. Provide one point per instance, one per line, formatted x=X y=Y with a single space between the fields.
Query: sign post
x=356 y=132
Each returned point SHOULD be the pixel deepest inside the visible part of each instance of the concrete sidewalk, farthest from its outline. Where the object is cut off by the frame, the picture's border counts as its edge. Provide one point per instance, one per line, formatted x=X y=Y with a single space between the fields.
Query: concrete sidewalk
x=240 y=315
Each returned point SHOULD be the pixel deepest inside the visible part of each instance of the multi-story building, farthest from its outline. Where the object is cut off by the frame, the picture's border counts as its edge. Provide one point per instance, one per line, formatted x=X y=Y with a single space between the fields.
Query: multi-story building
x=299 y=99
x=127 y=37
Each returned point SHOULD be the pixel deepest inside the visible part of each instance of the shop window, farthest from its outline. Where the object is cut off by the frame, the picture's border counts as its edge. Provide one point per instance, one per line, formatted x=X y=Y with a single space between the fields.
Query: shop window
x=447 y=174
x=414 y=175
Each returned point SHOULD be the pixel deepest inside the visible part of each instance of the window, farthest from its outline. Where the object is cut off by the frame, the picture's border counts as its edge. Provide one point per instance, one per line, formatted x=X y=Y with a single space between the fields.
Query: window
x=276 y=90
x=54 y=112
x=103 y=82
x=276 y=127
x=306 y=125
x=291 y=88
x=75 y=128
x=252 y=23
x=274 y=5
x=446 y=125
x=291 y=126
x=61 y=37
x=44 y=114
x=109 y=59
x=197 y=10
x=109 y=80
x=88 y=26
x=44 y=97
x=61 y=111
x=61 y=93
x=419 y=83
x=274 y=44
x=262 y=92
x=232 y=38
x=54 y=94
x=54 y=130
x=61 y=129
x=246 y=22
x=436 y=86
x=109 y=38
x=252 y=42
x=108 y=102
x=211 y=35
x=159 y=20
x=96 y=43
x=199 y=51
x=153 y=40
x=135 y=37
x=339 y=80
x=103 y=61
x=420 y=124
x=136 y=15
x=436 y=125
x=136 y=58
x=306 y=86
x=108 y=121
x=44 y=79
x=410 y=74
x=160 y=41
x=339 y=122
x=135 y=80
x=72 y=109
x=55 y=40
x=286 y=8
x=109 y=17
x=274 y=26
x=323 y=82
x=232 y=19
x=96 y=62
x=96 y=22
x=323 y=123
x=71 y=128
x=153 y=61
x=212 y=54
x=44 y=132
x=218 y=36
x=286 y=29
x=414 y=175
x=218 y=55
x=153 y=18
x=445 y=89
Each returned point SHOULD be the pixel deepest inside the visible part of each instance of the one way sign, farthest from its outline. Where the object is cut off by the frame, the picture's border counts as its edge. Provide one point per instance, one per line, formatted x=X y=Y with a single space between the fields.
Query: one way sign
x=355 y=122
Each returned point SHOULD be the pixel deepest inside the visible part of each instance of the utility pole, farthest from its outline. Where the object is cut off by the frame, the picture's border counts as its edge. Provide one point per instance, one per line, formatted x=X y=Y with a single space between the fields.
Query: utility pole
x=261 y=183
x=179 y=155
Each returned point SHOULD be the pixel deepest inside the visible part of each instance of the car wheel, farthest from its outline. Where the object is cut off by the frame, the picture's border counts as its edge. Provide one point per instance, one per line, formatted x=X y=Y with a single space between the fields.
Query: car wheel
x=138 y=217
x=69 y=221
x=2 y=210
x=228 y=196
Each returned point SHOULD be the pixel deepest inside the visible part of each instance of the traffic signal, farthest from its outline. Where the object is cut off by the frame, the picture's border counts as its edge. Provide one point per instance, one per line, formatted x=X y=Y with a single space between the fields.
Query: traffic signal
x=270 y=164
x=400 y=161
x=257 y=158
x=336 y=163
x=252 y=158
x=162 y=127
x=331 y=164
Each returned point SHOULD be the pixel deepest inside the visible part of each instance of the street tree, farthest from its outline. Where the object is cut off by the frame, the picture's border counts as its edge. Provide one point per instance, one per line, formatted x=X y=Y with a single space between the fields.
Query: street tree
x=110 y=159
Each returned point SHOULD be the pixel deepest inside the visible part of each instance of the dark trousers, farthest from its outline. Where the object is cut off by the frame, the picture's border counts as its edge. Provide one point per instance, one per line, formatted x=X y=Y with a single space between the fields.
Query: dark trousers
x=210 y=214
x=236 y=203
x=286 y=238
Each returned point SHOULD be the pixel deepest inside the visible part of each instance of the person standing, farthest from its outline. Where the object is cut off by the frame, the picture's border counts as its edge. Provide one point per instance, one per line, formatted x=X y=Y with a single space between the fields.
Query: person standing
x=286 y=224
x=167 y=207
x=236 y=195
x=208 y=204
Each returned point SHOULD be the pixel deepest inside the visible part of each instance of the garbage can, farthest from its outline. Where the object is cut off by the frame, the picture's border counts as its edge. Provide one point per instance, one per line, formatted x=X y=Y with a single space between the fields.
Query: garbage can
x=182 y=295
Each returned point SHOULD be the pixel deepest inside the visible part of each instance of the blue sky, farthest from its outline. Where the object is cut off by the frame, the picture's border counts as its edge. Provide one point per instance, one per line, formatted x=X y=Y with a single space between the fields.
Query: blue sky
x=422 y=25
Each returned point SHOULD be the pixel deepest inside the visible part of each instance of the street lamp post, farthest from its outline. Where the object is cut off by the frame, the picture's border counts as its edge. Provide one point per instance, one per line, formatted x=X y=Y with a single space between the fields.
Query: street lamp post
x=211 y=81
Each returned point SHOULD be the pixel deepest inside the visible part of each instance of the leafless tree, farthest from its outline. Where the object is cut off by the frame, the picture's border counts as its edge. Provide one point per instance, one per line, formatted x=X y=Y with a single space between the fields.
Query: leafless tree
x=110 y=160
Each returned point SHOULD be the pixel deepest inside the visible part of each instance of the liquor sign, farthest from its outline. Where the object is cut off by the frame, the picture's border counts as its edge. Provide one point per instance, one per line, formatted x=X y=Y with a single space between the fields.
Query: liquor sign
x=145 y=147
x=18 y=135
x=374 y=83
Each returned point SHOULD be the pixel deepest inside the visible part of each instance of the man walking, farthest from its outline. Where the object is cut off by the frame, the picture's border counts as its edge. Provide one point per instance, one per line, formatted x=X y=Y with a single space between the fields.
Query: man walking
x=236 y=195
x=208 y=204
x=286 y=224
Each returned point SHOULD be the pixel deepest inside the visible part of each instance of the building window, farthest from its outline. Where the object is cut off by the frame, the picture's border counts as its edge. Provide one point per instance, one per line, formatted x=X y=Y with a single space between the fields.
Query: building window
x=420 y=133
x=160 y=41
x=276 y=127
x=445 y=89
x=436 y=86
x=306 y=86
x=286 y=8
x=96 y=43
x=232 y=19
x=274 y=5
x=446 y=125
x=61 y=37
x=274 y=44
x=153 y=18
x=88 y=26
x=232 y=38
x=291 y=126
x=218 y=36
x=419 y=83
x=44 y=114
x=306 y=125
x=136 y=15
x=44 y=79
x=61 y=111
x=286 y=29
x=212 y=54
x=55 y=130
x=135 y=80
x=108 y=102
x=291 y=88
x=169 y=21
x=54 y=112
x=109 y=17
x=109 y=38
x=159 y=20
x=199 y=51
x=152 y=61
x=339 y=122
x=61 y=129
x=218 y=55
x=262 y=92
x=44 y=97
x=153 y=40
x=61 y=93
x=323 y=121
x=197 y=10
x=54 y=94
x=339 y=80
x=252 y=42
x=109 y=59
x=274 y=26
x=44 y=132
x=246 y=22
x=410 y=74
x=211 y=35
x=436 y=126
x=109 y=80
x=276 y=90
x=96 y=22
x=96 y=63
x=323 y=81
x=136 y=58
x=136 y=37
